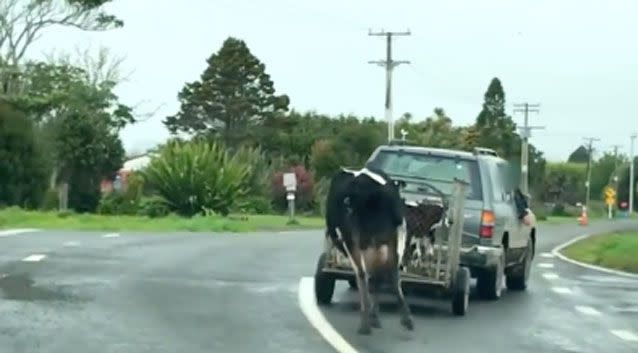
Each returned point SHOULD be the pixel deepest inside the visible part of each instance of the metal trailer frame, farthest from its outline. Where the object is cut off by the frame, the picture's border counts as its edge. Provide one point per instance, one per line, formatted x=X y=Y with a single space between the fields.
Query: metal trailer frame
x=442 y=271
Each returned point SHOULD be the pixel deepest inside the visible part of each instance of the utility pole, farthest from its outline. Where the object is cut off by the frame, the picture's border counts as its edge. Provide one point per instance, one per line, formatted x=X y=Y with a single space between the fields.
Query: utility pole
x=389 y=65
x=614 y=175
x=526 y=133
x=589 y=168
x=631 y=174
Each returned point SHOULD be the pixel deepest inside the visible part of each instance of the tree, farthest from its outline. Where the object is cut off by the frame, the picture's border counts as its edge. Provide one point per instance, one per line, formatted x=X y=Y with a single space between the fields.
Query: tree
x=81 y=119
x=23 y=168
x=493 y=128
x=22 y=22
x=232 y=99
x=580 y=155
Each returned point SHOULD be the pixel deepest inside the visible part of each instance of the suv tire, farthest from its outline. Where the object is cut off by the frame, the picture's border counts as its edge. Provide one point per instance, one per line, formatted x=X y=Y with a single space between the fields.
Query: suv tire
x=518 y=280
x=489 y=281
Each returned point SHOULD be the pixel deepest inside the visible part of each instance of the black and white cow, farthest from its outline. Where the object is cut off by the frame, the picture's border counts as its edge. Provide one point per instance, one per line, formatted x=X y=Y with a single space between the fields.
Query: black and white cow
x=365 y=218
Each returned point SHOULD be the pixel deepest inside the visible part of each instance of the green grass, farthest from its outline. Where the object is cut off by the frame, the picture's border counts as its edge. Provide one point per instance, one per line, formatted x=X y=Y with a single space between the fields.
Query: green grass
x=616 y=250
x=16 y=218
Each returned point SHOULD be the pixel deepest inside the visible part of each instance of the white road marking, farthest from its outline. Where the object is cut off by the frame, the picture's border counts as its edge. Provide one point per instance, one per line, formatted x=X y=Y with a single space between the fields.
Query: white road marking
x=111 y=235
x=587 y=310
x=547 y=255
x=34 y=258
x=9 y=232
x=562 y=290
x=71 y=243
x=625 y=335
x=308 y=305
x=550 y=275
x=546 y=265
x=556 y=252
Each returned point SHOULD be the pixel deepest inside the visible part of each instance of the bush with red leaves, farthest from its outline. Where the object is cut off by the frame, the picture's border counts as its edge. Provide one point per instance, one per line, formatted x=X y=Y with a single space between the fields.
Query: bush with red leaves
x=303 y=196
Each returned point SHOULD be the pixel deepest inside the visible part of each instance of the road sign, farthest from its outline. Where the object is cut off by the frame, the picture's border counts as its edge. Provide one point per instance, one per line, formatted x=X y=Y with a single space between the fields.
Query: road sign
x=290 y=181
x=610 y=195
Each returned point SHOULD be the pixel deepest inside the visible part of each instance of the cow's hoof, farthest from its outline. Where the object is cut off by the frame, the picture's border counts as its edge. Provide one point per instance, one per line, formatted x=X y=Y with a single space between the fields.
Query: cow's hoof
x=365 y=330
x=407 y=323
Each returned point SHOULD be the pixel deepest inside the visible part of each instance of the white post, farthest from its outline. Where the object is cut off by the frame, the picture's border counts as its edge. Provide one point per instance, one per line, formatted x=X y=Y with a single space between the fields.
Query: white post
x=609 y=210
x=631 y=175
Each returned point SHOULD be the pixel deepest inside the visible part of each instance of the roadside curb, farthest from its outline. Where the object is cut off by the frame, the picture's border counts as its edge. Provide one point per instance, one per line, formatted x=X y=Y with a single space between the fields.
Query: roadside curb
x=556 y=252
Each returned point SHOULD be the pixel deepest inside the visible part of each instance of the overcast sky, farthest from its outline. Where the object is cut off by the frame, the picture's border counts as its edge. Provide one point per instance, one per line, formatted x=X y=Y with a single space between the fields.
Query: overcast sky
x=578 y=59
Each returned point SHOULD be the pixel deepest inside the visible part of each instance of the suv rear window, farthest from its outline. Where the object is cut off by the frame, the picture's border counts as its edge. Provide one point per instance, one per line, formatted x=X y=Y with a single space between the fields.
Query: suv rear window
x=439 y=171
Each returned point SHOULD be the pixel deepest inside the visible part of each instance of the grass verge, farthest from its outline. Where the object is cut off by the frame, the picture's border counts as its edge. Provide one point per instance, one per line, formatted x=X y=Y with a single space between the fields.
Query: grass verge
x=616 y=250
x=17 y=218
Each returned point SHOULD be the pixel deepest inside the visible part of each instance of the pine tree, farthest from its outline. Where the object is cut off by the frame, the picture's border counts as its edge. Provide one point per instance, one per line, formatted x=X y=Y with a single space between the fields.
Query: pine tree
x=493 y=127
x=232 y=99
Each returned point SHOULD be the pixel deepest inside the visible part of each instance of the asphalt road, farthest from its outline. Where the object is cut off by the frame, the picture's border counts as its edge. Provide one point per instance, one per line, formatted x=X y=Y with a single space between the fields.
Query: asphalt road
x=67 y=291
x=566 y=309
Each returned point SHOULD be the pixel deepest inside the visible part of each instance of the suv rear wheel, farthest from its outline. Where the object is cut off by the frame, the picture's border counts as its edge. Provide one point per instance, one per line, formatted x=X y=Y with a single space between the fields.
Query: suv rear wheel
x=520 y=274
x=489 y=281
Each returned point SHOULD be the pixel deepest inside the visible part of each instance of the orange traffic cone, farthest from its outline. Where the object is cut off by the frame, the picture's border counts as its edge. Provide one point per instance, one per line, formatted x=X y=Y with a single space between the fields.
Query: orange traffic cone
x=582 y=220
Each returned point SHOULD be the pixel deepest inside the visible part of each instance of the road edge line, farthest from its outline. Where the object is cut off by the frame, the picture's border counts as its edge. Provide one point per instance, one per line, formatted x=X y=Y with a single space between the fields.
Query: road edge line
x=308 y=305
x=16 y=231
x=556 y=252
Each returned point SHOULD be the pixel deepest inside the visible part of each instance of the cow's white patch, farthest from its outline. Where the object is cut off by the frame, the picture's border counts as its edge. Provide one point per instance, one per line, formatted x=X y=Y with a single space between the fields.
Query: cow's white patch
x=376 y=177
x=383 y=254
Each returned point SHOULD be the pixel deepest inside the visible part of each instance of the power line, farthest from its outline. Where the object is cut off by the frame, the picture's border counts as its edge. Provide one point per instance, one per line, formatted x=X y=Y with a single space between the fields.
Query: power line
x=389 y=65
x=526 y=133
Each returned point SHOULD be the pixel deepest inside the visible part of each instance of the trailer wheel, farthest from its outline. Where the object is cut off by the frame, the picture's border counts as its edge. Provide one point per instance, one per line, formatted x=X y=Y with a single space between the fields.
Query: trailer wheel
x=324 y=282
x=353 y=283
x=461 y=291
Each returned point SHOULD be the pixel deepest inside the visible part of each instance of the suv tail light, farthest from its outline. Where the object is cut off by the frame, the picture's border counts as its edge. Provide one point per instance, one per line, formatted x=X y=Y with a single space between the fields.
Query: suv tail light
x=487 y=224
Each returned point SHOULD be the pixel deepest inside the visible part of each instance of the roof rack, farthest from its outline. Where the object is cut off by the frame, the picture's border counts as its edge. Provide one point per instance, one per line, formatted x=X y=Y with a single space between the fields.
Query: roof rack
x=398 y=142
x=483 y=150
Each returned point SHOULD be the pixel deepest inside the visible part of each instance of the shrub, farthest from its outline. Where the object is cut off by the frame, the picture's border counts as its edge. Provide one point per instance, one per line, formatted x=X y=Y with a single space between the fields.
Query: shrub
x=255 y=204
x=51 y=200
x=303 y=195
x=153 y=207
x=117 y=203
x=198 y=175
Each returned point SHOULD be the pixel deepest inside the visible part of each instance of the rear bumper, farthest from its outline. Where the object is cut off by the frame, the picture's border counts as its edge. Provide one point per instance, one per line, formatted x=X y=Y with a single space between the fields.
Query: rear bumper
x=481 y=256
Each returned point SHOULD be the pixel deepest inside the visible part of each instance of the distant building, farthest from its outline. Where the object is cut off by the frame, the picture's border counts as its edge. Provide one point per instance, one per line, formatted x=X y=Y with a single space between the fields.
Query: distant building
x=131 y=165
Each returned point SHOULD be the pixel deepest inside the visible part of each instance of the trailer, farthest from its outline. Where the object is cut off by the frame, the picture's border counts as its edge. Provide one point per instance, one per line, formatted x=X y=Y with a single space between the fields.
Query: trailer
x=434 y=266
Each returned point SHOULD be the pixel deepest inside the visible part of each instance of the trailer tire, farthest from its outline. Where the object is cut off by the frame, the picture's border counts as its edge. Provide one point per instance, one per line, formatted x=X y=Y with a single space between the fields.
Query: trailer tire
x=324 y=282
x=353 y=283
x=461 y=291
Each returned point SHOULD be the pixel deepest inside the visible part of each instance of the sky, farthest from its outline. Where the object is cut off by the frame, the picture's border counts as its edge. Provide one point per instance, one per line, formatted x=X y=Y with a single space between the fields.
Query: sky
x=578 y=59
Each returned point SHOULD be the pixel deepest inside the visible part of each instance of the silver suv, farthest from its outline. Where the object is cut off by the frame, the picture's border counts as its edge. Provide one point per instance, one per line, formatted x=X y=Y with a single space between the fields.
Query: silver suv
x=497 y=247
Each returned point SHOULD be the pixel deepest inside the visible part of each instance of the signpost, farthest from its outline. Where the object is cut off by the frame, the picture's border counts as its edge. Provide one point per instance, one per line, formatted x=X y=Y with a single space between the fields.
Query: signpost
x=290 y=183
x=610 y=198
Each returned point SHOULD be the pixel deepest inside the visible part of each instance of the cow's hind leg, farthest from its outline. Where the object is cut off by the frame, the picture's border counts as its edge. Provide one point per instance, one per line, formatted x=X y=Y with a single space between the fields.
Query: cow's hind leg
x=406 y=316
x=364 y=297
x=374 y=284
x=358 y=265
